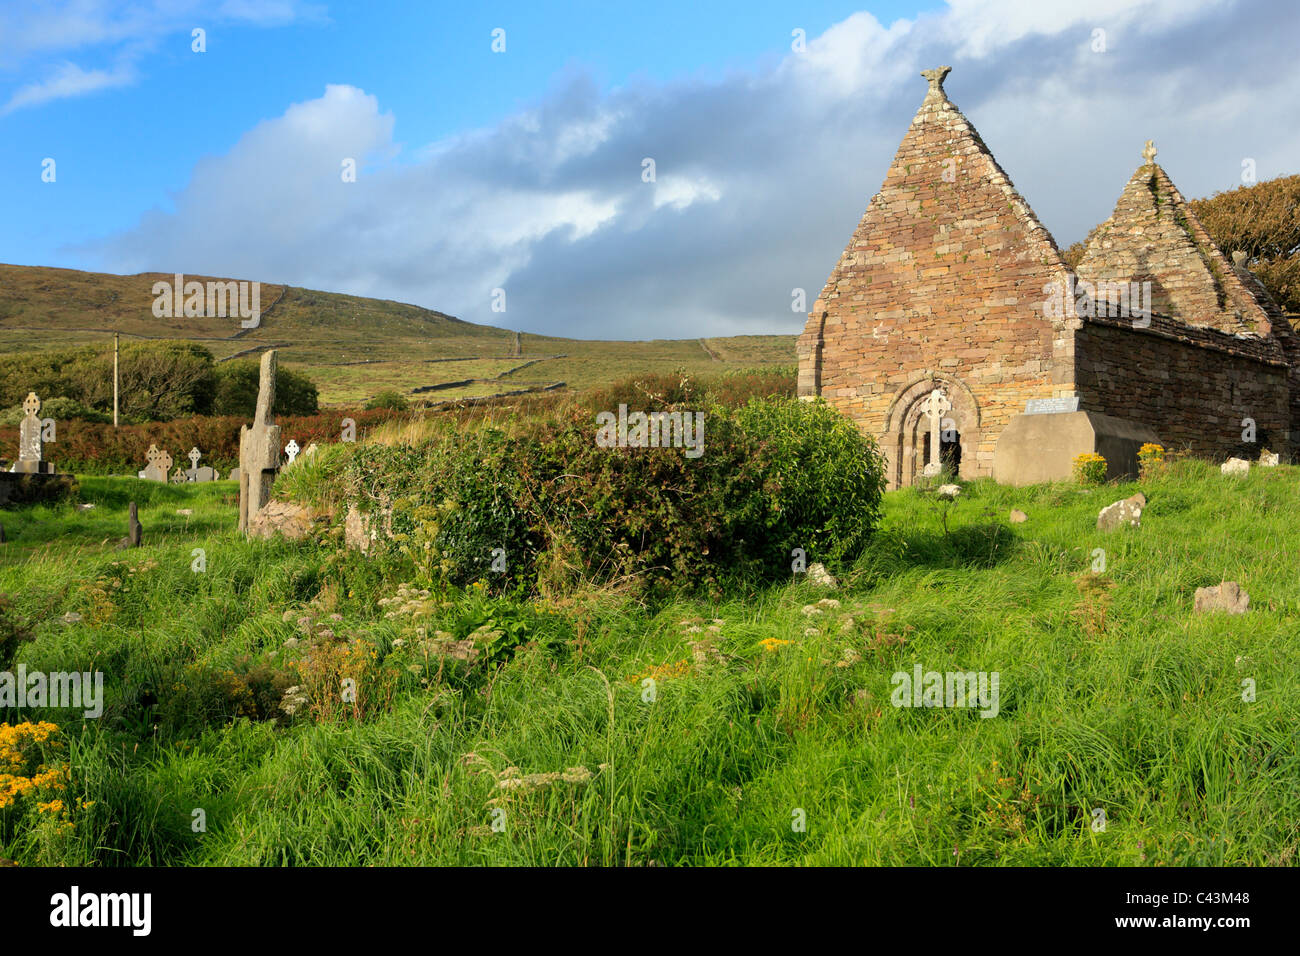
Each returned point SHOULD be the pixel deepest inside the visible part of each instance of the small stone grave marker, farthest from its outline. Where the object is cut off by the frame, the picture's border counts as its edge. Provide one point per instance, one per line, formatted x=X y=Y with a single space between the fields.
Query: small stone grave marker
x=1226 y=596
x=1121 y=513
x=195 y=473
x=160 y=463
x=134 y=532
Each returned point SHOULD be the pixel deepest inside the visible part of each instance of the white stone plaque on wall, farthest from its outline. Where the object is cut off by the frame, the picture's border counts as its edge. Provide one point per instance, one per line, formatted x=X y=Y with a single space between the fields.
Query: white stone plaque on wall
x=1052 y=406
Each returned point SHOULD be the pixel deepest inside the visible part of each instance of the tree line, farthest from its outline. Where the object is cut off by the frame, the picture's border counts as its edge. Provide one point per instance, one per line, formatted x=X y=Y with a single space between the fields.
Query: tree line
x=158 y=381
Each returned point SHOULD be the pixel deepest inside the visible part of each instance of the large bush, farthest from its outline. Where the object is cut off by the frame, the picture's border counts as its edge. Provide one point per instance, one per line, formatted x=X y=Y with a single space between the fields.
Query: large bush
x=822 y=474
x=236 y=391
x=389 y=398
x=774 y=475
x=158 y=382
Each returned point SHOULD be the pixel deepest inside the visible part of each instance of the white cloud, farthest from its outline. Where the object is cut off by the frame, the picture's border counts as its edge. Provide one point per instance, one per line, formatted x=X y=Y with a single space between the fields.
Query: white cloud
x=681 y=192
x=32 y=32
x=68 y=79
x=852 y=54
x=979 y=28
x=761 y=177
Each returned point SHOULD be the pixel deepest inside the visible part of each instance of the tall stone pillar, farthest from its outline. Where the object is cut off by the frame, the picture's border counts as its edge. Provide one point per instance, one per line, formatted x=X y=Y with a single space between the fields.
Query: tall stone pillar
x=259 y=448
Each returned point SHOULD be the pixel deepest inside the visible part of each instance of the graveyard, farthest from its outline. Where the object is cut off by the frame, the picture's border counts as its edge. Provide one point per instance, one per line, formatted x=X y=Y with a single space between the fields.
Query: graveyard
x=774 y=490
x=749 y=720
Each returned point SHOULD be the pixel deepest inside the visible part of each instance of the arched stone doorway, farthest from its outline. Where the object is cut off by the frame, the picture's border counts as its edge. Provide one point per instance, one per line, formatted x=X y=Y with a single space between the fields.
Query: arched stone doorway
x=909 y=426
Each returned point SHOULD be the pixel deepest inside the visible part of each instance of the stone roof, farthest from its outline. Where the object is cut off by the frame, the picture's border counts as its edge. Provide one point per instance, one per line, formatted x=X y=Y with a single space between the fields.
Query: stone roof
x=940 y=134
x=1257 y=288
x=1153 y=235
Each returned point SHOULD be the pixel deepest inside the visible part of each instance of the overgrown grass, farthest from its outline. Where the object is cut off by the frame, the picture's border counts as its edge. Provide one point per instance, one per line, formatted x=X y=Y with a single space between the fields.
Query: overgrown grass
x=1114 y=695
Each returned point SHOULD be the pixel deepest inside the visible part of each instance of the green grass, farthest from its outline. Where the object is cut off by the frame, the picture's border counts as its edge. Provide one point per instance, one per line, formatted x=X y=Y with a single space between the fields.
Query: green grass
x=1137 y=711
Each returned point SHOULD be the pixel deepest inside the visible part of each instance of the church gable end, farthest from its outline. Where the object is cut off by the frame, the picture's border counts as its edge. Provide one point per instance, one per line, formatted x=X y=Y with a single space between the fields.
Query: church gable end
x=952 y=330
x=1212 y=362
x=941 y=287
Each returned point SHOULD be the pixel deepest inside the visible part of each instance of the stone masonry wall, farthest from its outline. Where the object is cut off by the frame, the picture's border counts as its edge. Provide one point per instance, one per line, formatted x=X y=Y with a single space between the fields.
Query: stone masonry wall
x=1193 y=397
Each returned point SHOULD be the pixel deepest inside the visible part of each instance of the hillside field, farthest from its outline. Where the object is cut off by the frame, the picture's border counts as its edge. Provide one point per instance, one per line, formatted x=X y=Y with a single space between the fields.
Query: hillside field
x=351 y=346
x=1123 y=734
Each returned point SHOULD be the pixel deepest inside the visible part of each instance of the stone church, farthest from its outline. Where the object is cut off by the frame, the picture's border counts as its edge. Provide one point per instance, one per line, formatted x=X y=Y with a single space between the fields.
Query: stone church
x=953 y=331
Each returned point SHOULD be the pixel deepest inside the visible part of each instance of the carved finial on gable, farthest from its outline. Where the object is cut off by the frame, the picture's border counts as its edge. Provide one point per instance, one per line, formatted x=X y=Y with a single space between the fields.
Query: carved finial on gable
x=936 y=78
x=1149 y=152
x=1239 y=259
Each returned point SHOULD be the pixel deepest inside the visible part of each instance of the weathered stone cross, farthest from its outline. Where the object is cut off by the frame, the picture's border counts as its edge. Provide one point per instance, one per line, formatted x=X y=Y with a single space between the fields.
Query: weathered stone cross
x=206 y=473
x=934 y=405
x=1149 y=152
x=29 y=436
x=160 y=464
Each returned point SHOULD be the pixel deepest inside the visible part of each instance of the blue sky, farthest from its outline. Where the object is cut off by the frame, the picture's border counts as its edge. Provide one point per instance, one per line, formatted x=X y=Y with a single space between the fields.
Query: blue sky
x=522 y=170
x=122 y=149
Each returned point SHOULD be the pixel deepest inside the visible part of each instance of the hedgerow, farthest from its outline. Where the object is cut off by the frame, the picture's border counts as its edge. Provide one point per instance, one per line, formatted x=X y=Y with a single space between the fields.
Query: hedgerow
x=90 y=448
x=546 y=506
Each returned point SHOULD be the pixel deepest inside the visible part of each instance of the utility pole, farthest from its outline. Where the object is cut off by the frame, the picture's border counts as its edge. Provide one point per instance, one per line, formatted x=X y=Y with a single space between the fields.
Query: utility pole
x=114 y=379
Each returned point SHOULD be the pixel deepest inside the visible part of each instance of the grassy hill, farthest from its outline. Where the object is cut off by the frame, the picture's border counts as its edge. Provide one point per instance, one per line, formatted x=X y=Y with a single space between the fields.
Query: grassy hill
x=351 y=346
x=772 y=705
